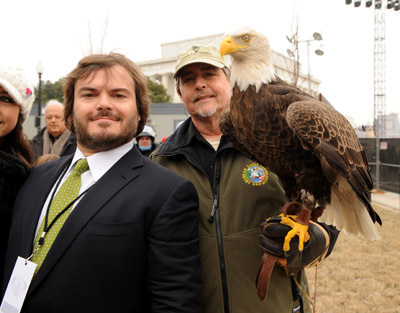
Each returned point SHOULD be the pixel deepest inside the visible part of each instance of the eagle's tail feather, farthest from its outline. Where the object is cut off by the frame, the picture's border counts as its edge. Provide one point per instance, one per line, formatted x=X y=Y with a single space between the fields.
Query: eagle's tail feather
x=348 y=213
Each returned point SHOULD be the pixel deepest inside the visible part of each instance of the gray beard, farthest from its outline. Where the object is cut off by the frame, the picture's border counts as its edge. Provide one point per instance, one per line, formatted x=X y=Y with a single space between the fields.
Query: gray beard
x=208 y=113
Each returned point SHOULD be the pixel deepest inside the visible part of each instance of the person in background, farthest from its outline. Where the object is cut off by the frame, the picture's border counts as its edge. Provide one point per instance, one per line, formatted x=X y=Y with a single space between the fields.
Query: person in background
x=125 y=237
x=16 y=98
x=54 y=138
x=45 y=158
x=146 y=141
x=236 y=194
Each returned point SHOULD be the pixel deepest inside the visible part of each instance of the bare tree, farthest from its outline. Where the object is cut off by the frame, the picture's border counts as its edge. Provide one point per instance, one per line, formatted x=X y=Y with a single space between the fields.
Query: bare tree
x=294 y=55
x=293 y=63
x=91 y=43
x=103 y=34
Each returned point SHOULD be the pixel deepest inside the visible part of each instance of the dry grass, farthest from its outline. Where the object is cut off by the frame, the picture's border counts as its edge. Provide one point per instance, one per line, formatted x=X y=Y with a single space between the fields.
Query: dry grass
x=359 y=275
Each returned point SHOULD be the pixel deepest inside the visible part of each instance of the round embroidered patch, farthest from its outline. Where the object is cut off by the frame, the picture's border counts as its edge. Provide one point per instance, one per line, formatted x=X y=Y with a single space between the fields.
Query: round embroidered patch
x=255 y=174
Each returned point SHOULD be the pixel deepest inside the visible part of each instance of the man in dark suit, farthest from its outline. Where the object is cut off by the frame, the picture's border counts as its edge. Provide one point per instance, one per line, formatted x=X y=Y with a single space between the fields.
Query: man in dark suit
x=129 y=242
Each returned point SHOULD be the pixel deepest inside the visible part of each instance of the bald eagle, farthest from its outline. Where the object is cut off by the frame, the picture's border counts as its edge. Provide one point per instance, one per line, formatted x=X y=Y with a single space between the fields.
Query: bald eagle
x=310 y=146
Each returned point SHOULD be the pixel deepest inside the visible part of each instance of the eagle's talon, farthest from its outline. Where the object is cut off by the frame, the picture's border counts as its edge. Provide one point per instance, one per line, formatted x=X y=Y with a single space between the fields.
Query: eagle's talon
x=297 y=229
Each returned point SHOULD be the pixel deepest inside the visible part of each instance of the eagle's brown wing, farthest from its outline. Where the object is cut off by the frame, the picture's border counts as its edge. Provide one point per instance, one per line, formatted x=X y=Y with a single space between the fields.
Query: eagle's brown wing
x=329 y=134
x=257 y=127
x=308 y=144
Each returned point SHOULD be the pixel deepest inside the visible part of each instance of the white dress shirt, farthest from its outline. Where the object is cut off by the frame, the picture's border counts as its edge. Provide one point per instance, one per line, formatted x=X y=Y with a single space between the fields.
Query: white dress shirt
x=99 y=164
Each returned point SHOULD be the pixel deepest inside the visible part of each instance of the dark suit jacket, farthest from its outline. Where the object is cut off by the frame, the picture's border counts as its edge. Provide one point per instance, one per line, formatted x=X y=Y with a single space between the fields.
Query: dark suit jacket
x=130 y=244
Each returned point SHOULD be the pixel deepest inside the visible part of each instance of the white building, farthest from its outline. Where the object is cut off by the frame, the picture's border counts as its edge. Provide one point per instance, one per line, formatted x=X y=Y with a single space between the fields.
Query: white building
x=162 y=70
x=392 y=125
x=165 y=116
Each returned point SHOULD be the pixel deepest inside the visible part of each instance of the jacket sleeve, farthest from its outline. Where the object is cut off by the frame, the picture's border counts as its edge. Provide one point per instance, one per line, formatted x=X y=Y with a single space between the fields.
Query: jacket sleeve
x=174 y=268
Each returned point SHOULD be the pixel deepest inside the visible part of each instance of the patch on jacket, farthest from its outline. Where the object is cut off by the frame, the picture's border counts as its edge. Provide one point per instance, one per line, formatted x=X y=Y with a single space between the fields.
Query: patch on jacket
x=255 y=174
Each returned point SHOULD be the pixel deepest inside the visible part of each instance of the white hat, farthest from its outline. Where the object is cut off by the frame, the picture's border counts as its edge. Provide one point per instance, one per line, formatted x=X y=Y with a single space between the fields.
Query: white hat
x=18 y=86
x=199 y=54
x=148 y=131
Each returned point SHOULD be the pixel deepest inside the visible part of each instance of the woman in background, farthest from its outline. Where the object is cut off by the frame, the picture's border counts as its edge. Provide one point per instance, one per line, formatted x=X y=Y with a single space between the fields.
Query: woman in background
x=16 y=98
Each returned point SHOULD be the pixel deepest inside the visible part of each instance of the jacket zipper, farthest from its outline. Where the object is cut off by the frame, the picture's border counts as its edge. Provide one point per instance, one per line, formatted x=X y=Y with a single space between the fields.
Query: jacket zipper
x=216 y=213
x=214 y=208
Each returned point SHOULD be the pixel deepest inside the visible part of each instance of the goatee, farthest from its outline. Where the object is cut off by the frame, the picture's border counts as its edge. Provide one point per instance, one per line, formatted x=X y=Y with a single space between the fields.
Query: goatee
x=103 y=140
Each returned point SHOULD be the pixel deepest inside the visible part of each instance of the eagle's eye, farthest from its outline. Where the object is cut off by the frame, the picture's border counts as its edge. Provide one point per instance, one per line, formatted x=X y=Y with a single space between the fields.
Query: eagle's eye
x=245 y=37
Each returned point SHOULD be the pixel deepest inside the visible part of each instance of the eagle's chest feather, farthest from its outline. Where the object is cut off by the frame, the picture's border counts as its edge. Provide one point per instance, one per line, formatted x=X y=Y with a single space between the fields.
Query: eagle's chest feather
x=259 y=120
x=260 y=123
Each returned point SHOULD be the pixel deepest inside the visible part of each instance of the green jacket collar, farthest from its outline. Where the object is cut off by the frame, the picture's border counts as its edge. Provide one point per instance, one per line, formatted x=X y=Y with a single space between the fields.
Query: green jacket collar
x=180 y=140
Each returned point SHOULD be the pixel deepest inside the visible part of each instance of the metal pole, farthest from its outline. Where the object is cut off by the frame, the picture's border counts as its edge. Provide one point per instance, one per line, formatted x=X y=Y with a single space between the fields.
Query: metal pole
x=378 y=161
x=309 y=68
x=38 y=118
x=379 y=82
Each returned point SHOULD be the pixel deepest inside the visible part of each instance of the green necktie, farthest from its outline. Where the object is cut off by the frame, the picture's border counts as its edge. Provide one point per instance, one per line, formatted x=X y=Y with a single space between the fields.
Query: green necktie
x=67 y=193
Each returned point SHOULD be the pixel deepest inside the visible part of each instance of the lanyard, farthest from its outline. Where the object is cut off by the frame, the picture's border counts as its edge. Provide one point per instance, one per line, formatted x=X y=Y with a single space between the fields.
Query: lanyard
x=46 y=227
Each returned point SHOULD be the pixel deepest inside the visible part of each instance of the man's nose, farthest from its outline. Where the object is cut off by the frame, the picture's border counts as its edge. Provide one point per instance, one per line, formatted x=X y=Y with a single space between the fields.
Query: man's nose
x=200 y=83
x=104 y=102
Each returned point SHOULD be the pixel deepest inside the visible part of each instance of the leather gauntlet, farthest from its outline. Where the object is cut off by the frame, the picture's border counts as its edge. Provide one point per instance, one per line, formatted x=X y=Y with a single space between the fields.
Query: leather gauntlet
x=315 y=249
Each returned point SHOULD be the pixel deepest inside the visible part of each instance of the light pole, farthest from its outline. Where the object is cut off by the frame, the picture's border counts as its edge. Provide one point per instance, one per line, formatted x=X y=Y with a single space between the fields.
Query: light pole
x=379 y=71
x=39 y=70
x=319 y=52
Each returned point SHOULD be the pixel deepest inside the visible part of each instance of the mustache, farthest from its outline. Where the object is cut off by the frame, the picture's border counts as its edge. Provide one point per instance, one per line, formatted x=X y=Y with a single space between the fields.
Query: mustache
x=203 y=93
x=108 y=114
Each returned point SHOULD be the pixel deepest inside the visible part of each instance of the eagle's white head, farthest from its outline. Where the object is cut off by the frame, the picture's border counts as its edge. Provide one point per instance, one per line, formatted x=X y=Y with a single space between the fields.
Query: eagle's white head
x=251 y=58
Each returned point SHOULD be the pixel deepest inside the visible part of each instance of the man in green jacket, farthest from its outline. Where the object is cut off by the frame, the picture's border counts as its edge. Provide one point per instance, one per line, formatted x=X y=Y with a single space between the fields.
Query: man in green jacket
x=236 y=194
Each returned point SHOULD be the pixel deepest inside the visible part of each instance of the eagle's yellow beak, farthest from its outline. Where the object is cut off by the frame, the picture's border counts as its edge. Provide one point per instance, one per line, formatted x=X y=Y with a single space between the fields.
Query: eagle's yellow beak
x=229 y=46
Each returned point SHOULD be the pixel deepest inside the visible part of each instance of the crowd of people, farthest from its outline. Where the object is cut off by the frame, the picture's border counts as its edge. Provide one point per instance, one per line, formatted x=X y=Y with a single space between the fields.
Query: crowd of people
x=111 y=221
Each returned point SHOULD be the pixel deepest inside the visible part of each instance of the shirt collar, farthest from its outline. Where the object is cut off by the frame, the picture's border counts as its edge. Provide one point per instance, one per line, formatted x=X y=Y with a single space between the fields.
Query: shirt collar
x=193 y=133
x=101 y=162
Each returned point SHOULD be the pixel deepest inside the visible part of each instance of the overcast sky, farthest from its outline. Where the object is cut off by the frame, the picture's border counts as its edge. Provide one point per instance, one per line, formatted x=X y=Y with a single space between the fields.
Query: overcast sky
x=56 y=32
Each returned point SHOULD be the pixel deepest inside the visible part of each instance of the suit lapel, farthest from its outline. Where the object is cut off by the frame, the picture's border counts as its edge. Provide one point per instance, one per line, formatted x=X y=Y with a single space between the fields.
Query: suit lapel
x=106 y=188
x=42 y=186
